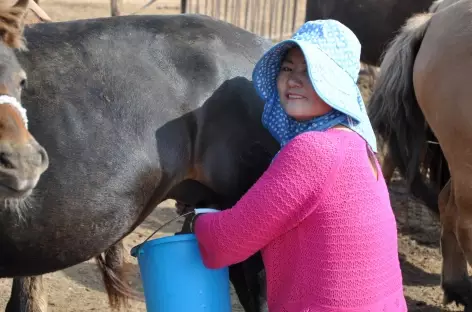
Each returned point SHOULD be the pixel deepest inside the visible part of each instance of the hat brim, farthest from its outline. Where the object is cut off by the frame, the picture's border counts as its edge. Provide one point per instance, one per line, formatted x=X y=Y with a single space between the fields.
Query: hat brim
x=332 y=84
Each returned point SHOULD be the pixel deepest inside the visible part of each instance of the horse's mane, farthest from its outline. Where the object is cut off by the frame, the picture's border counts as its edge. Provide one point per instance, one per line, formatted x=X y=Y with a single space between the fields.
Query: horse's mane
x=11 y=27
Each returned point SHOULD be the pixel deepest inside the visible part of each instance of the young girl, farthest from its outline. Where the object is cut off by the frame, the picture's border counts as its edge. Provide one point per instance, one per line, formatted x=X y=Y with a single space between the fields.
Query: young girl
x=321 y=213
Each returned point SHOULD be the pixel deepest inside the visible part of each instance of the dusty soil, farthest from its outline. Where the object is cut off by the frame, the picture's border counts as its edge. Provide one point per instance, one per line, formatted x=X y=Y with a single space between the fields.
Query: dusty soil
x=80 y=288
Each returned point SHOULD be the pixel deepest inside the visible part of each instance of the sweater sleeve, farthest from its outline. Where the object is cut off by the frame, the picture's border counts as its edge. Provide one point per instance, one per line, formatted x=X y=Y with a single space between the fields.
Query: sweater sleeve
x=281 y=198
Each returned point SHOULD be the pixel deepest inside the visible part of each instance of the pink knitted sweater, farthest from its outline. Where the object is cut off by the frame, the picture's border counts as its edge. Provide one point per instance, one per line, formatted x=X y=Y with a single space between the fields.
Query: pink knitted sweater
x=324 y=226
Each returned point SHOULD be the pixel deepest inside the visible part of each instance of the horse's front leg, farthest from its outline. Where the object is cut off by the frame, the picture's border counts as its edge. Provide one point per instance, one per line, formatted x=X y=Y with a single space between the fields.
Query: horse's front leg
x=28 y=295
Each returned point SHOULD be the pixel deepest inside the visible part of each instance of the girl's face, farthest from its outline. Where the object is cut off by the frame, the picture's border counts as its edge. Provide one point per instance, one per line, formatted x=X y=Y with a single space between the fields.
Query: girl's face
x=297 y=96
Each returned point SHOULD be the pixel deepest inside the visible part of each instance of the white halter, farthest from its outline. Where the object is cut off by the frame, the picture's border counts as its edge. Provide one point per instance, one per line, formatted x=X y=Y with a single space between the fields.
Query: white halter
x=6 y=99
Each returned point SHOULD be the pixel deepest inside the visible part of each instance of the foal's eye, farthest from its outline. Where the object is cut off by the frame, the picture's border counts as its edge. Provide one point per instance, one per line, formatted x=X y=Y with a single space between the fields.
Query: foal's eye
x=23 y=83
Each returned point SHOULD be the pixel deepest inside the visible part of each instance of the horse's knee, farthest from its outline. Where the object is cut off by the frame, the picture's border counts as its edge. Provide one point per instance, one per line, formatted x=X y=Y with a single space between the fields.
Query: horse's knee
x=28 y=295
x=464 y=234
x=462 y=217
x=443 y=198
x=456 y=247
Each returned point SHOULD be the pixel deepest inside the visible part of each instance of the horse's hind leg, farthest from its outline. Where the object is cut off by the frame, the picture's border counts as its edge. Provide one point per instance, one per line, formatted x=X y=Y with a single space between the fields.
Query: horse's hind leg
x=238 y=279
x=454 y=235
x=27 y=295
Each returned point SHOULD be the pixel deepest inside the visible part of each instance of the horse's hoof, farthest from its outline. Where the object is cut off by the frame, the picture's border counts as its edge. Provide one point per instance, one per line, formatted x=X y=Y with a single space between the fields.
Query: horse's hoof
x=459 y=292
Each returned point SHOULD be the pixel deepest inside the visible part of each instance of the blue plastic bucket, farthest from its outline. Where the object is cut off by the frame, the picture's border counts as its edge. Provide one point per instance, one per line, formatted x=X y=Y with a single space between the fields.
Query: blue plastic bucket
x=175 y=279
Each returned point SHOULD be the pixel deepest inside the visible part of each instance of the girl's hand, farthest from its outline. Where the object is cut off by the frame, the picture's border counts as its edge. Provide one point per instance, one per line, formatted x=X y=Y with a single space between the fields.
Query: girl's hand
x=193 y=220
x=187 y=226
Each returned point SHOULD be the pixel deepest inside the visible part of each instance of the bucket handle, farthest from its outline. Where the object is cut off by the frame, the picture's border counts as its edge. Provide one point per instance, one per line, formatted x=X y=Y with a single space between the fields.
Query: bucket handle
x=135 y=249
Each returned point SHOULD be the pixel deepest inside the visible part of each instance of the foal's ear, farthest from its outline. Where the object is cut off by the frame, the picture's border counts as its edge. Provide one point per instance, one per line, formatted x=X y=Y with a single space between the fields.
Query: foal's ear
x=12 y=24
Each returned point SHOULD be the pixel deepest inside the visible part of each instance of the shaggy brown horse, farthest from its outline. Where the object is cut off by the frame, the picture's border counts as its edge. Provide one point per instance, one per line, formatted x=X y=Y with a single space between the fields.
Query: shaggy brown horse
x=424 y=87
x=22 y=159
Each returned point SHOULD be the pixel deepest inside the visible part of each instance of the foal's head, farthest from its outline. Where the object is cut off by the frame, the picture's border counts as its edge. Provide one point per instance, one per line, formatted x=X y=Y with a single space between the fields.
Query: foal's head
x=22 y=159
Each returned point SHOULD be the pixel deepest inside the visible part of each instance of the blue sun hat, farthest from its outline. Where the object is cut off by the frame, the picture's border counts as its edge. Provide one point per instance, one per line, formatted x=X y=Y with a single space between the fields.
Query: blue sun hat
x=332 y=53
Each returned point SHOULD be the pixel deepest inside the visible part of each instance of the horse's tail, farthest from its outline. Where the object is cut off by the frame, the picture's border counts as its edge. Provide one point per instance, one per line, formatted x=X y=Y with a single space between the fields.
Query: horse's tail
x=111 y=265
x=394 y=111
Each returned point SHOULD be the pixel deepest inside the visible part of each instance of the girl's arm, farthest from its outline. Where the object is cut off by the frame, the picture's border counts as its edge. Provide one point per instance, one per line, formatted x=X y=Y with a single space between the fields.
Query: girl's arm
x=280 y=199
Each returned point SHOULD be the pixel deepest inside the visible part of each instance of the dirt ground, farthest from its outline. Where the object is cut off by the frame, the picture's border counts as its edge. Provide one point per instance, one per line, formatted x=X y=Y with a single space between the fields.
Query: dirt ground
x=80 y=288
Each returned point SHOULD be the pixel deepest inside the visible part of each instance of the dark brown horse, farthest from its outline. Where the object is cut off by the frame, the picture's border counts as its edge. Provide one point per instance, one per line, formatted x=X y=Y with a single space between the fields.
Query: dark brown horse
x=375 y=22
x=128 y=108
x=423 y=89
